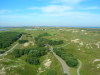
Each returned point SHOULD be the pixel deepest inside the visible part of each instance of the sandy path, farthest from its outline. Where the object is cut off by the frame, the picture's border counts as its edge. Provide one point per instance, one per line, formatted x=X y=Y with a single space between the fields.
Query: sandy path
x=78 y=69
x=4 y=54
x=64 y=65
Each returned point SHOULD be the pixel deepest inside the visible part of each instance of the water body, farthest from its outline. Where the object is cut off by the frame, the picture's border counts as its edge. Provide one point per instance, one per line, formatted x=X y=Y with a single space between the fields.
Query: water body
x=3 y=30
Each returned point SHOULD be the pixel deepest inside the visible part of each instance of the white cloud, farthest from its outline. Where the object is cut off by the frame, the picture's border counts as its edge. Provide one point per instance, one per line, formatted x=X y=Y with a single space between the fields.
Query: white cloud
x=90 y=8
x=62 y=10
x=67 y=1
x=55 y=8
x=3 y=11
x=52 y=8
x=70 y=14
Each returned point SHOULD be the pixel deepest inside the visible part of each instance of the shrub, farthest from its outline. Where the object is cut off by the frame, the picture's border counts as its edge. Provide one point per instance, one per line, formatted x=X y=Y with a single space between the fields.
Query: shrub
x=16 y=53
x=51 y=72
x=67 y=57
x=33 y=60
x=22 y=41
x=7 y=38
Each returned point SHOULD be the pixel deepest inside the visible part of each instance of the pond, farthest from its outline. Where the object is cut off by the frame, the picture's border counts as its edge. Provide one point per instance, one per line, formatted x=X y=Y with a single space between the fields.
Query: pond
x=3 y=29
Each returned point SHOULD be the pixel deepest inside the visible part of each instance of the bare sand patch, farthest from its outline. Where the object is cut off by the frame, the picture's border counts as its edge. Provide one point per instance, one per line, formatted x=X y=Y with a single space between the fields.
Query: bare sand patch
x=47 y=63
x=98 y=66
x=98 y=44
x=2 y=71
x=96 y=60
x=75 y=31
x=85 y=33
x=82 y=30
x=81 y=43
x=26 y=44
x=75 y=40
x=88 y=46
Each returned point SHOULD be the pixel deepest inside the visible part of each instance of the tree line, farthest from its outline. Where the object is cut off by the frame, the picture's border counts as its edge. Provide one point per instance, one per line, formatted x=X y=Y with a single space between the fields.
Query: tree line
x=33 y=54
x=67 y=57
x=7 y=38
x=22 y=41
x=40 y=41
x=44 y=34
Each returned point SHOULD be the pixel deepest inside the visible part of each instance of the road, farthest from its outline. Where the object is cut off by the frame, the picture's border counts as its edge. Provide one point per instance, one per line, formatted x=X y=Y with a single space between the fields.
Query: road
x=4 y=54
x=64 y=65
x=80 y=65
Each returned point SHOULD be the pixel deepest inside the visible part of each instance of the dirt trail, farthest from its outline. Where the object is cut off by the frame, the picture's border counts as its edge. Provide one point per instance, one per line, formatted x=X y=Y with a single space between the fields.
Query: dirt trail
x=80 y=65
x=4 y=54
x=64 y=65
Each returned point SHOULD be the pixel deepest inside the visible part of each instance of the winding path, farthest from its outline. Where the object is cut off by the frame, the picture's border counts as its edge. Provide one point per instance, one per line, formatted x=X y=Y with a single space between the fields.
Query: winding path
x=4 y=54
x=78 y=69
x=64 y=65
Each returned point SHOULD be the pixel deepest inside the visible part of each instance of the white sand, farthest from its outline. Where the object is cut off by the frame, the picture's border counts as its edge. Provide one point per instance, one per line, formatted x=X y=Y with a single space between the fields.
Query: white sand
x=75 y=40
x=98 y=44
x=47 y=63
x=98 y=66
x=81 y=44
x=26 y=44
x=2 y=71
x=96 y=60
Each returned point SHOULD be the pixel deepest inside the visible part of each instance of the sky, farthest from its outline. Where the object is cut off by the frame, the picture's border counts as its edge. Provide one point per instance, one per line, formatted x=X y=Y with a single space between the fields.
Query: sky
x=84 y=13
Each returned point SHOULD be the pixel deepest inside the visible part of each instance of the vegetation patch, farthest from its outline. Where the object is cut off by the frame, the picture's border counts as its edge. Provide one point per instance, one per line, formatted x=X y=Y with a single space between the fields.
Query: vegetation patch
x=22 y=41
x=7 y=38
x=43 y=42
x=68 y=58
x=51 y=72
x=33 y=54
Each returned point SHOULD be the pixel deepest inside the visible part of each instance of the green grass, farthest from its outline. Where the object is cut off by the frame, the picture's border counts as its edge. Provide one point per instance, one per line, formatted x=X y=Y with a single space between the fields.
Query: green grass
x=86 y=55
x=21 y=67
x=55 y=65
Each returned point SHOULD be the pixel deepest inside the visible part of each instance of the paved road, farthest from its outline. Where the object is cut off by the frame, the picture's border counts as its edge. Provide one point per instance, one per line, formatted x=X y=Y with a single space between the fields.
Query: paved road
x=4 y=54
x=80 y=65
x=64 y=65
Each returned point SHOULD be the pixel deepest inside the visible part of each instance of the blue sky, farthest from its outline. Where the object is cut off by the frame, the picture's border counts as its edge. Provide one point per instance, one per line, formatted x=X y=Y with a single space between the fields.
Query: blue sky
x=50 y=13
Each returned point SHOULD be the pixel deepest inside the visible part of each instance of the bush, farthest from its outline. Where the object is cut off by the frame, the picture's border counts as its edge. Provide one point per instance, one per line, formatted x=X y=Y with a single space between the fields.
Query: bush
x=33 y=54
x=2 y=51
x=44 y=34
x=22 y=41
x=51 y=72
x=68 y=58
x=33 y=60
x=16 y=53
x=7 y=38
x=41 y=42
x=71 y=61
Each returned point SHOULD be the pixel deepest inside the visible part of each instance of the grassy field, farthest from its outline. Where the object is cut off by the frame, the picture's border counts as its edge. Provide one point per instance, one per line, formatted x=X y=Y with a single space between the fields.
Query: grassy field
x=9 y=65
x=83 y=43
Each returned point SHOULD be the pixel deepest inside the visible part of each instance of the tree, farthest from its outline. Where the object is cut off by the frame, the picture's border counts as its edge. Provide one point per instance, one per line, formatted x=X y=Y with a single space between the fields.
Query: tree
x=22 y=41
x=7 y=38
x=33 y=60
x=51 y=72
x=16 y=53
x=67 y=57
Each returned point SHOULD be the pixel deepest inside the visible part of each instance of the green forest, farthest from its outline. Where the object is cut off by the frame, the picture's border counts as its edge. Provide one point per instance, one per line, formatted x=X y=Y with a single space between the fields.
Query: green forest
x=33 y=54
x=7 y=38
x=68 y=58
